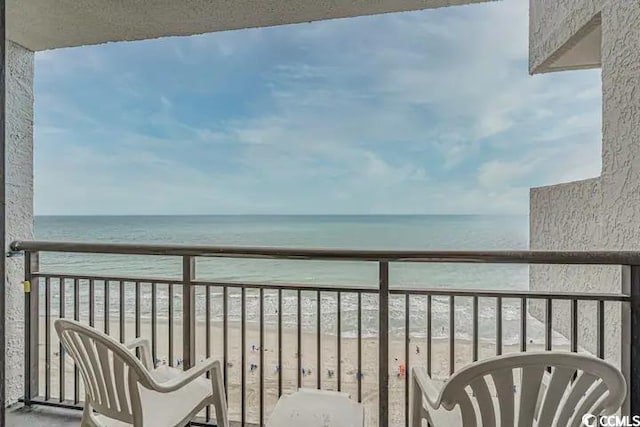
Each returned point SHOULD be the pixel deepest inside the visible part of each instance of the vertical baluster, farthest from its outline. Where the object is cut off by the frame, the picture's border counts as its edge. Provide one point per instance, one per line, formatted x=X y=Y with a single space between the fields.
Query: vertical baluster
x=452 y=334
x=630 y=326
x=359 y=370
x=188 y=312
x=383 y=349
x=47 y=338
x=122 y=312
x=339 y=348
x=523 y=325
x=243 y=346
x=407 y=325
x=548 y=324
x=299 y=343
x=600 y=328
x=498 y=326
x=61 y=366
x=207 y=339
x=154 y=323
x=261 y=326
x=106 y=313
x=225 y=337
x=76 y=317
x=170 y=325
x=137 y=310
x=92 y=303
x=32 y=327
x=574 y=331
x=429 y=306
x=574 y=325
x=279 y=342
x=319 y=342
x=475 y=328
x=137 y=313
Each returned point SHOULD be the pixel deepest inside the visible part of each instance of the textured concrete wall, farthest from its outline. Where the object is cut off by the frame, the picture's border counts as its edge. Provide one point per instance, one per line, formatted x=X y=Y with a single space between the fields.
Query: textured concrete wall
x=553 y=23
x=19 y=197
x=569 y=217
x=601 y=213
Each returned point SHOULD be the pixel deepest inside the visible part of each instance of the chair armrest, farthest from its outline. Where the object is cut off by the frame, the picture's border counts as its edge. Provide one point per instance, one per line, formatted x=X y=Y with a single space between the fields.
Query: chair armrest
x=145 y=351
x=208 y=365
x=430 y=391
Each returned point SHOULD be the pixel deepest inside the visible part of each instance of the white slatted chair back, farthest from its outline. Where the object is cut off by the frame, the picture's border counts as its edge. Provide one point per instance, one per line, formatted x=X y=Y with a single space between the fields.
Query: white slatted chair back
x=577 y=384
x=111 y=372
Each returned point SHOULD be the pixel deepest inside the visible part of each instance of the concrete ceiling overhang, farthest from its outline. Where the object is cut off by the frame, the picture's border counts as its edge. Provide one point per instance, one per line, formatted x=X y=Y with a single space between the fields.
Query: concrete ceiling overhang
x=49 y=24
x=581 y=51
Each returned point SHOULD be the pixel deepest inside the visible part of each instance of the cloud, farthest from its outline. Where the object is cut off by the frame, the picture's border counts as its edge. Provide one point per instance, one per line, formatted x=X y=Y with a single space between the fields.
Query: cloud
x=422 y=112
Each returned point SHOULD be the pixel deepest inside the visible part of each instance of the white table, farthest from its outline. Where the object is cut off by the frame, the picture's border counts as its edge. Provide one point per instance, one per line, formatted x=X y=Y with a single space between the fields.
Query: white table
x=317 y=408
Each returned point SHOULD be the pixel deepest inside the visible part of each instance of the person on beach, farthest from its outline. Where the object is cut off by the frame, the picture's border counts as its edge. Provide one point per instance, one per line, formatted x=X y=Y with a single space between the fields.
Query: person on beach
x=417 y=349
x=330 y=373
x=402 y=371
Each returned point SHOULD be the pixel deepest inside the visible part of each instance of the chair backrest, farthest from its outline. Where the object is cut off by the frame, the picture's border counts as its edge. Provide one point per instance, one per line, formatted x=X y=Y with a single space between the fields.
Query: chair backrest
x=575 y=385
x=110 y=372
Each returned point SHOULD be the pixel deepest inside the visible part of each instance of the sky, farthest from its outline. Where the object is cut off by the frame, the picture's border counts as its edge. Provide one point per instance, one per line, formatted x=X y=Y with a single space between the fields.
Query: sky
x=429 y=112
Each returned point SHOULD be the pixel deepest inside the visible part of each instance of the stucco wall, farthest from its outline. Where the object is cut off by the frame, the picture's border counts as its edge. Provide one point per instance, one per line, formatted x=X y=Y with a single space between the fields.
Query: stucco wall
x=569 y=217
x=553 y=23
x=601 y=213
x=621 y=103
x=19 y=220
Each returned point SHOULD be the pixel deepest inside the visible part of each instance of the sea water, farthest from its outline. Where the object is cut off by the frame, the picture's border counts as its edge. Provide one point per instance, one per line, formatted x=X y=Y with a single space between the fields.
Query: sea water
x=393 y=232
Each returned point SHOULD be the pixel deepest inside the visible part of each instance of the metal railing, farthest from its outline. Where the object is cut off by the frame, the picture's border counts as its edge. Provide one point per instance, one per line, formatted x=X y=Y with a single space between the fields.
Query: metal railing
x=192 y=318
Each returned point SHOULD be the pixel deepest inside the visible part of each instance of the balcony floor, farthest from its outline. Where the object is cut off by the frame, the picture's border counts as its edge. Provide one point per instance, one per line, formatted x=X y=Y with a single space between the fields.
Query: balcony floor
x=39 y=416
x=43 y=416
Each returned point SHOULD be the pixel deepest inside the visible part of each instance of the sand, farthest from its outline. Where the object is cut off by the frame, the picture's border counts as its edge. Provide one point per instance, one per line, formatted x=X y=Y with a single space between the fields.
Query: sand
x=289 y=364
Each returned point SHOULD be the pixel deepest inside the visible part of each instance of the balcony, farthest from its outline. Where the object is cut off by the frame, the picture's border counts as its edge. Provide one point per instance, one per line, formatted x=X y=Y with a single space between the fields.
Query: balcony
x=275 y=337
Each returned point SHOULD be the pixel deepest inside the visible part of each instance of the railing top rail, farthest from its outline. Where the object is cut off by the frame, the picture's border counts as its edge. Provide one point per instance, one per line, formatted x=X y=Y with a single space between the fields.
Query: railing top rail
x=497 y=257
x=354 y=288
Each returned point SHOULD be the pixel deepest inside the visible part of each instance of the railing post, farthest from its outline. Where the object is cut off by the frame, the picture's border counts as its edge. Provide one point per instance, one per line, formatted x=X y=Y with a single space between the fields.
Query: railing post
x=383 y=356
x=188 y=312
x=31 y=327
x=630 y=320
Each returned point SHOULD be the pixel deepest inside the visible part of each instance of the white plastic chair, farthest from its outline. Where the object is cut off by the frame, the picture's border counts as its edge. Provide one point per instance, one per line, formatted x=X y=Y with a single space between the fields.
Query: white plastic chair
x=485 y=393
x=126 y=391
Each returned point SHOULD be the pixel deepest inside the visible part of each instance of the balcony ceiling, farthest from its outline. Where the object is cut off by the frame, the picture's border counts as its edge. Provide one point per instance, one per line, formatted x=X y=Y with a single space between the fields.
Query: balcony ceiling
x=582 y=51
x=49 y=24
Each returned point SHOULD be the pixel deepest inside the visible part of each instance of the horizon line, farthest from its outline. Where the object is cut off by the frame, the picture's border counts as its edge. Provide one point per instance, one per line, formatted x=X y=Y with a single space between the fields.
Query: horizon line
x=283 y=214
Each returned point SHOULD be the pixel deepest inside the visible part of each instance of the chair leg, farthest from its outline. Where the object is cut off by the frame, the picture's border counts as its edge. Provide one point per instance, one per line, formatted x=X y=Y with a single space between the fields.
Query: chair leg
x=219 y=399
x=416 y=404
x=87 y=416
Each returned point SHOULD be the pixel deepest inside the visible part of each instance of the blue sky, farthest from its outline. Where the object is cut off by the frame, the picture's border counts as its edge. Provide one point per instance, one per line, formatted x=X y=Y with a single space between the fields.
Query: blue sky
x=422 y=112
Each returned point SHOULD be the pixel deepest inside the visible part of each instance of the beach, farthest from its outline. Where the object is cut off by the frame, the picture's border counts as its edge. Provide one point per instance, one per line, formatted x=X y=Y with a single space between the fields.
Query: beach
x=289 y=365
x=443 y=232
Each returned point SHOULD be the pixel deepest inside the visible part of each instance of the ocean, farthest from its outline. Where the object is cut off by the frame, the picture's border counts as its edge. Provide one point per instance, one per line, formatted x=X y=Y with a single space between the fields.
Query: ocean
x=426 y=232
